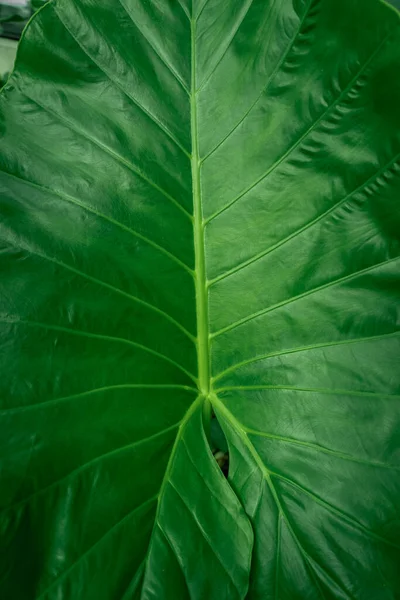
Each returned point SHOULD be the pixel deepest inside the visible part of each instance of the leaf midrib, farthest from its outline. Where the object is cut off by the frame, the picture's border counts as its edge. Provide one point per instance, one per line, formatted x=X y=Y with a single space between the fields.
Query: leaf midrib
x=203 y=350
x=201 y=290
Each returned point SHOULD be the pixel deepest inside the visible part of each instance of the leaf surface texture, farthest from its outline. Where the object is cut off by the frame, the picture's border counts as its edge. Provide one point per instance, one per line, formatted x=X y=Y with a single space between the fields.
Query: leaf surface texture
x=200 y=212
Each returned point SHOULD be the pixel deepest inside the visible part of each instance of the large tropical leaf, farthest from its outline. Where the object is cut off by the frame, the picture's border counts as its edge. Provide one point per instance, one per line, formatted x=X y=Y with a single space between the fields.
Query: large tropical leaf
x=200 y=212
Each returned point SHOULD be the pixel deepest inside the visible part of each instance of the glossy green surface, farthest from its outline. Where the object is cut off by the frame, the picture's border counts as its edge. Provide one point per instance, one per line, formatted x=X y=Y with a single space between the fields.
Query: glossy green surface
x=200 y=207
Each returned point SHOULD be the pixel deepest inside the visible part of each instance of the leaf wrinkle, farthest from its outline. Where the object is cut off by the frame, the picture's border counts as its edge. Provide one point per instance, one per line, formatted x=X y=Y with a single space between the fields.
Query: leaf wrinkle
x=95 y=545
x=84 y=466
x=118 y=158
x=303 y=295
x=102 y=337
x=323 y=449
x=152 y=117
x=302 y=349
x=302 y=137
x=106 y=285
x=307 y=226
x=338 y=391
x=230 y=40
x=204 y=534
x=336 y=511
x=264 y=89
x=121 y=386
x=174 y=552
x=170 y=68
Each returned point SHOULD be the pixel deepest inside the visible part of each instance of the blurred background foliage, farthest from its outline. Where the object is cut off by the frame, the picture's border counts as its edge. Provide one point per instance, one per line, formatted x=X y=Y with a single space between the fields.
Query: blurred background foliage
x=14 y=15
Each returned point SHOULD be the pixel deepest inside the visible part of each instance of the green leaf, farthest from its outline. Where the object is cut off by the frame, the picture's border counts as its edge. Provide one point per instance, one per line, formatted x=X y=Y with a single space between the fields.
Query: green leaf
x=199 y=212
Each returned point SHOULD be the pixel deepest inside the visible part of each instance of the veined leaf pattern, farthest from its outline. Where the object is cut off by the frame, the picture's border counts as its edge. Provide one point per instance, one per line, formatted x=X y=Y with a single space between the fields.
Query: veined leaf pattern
x=199 y=213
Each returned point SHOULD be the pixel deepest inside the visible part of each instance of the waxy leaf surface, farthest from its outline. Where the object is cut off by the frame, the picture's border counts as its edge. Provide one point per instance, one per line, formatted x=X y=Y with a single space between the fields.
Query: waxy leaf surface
x=200 y=214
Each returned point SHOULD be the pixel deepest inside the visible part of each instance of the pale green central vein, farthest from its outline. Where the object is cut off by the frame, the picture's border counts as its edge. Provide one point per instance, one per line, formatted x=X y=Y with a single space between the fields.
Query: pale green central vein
x=200 y=268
